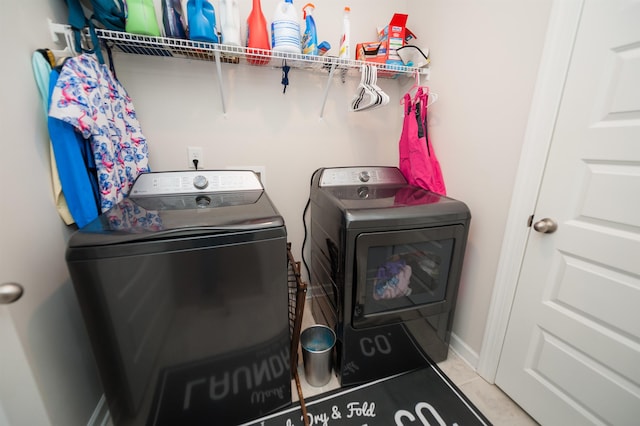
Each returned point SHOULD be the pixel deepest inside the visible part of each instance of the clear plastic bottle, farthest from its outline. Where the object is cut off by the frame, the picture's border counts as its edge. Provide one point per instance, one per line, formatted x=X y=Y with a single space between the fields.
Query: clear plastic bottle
x=345 y=40
x=285 y=29
x=310 y=36
x=257 y=36
x=230 y=22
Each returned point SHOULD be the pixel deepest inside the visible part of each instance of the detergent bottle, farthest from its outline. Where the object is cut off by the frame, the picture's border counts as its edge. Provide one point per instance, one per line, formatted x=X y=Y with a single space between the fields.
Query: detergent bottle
x=257 y=36
x=285 y=29
x=345 y=41
x=310 y=36
x=141 y=18
x=230 y=22
x=202 y=21
x=172 y=19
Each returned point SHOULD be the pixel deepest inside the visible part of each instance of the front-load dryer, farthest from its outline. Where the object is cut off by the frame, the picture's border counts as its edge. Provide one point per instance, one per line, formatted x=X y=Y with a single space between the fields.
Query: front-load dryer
x=183 y=289
x=386 y=259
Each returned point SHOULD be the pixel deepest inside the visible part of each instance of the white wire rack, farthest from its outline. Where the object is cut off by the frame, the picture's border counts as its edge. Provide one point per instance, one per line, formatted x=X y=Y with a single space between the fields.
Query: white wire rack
x=179 y=48
x=221 y=53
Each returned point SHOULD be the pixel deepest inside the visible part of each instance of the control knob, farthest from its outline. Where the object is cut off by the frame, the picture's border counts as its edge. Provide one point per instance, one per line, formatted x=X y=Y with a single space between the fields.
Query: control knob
x=200 y=182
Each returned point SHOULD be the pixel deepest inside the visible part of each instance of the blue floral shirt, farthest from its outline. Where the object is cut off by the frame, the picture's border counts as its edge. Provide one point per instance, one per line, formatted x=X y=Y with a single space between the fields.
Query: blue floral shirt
x=89 y=97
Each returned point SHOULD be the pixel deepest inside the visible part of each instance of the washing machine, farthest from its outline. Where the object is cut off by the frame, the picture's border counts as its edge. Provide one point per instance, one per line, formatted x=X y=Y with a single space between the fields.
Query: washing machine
x=386 y=259
x=183 y=290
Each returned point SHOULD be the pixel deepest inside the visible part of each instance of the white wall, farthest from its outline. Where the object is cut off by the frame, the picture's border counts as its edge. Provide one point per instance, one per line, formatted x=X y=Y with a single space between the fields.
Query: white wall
x=485 y=57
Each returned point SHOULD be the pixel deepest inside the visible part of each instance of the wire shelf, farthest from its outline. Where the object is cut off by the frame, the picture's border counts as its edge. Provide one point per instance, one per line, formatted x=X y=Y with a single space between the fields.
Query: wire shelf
x=188 y=49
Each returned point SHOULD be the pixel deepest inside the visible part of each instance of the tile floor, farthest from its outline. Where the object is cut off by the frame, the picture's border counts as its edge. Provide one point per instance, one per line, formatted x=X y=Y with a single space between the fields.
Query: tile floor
x=489 y=399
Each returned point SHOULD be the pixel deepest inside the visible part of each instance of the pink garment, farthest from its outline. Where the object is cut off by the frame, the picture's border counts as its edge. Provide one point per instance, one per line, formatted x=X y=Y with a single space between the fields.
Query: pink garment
x=418 y=162
x=437 y=181
x=408 y=126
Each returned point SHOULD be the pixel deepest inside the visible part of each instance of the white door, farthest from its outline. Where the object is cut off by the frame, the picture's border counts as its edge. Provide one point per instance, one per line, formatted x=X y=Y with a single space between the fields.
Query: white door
x=20 y=401
x=572 y=349
x=47 y=372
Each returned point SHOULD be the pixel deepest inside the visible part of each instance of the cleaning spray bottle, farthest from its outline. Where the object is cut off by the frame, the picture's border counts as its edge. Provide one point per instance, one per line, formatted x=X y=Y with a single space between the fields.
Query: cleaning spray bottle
x=230 y=22
x=257 y=36
x=345 y=41
x=285 y=29
x=202 y=21
x=310 y=36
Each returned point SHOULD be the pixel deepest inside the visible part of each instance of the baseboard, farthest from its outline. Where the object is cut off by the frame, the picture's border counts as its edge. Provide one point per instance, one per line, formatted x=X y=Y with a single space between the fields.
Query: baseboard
x=464 y=352
x=100 y=415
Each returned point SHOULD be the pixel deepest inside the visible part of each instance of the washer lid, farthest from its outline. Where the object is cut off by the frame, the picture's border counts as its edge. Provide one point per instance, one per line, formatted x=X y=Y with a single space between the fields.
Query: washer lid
x=383 y=196
x=168 y=204
x=381 y=193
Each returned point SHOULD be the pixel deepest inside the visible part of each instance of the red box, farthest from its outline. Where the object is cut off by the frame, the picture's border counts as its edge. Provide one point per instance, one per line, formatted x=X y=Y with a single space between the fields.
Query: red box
x=390 y=39
x=395 y=37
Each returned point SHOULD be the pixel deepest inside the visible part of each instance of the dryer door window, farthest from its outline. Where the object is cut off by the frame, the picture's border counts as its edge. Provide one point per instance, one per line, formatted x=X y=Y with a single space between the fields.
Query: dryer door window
x=401 y=275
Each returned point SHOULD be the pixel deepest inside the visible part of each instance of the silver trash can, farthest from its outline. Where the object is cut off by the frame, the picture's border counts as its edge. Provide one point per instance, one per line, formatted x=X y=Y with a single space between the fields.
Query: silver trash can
x=317 y=344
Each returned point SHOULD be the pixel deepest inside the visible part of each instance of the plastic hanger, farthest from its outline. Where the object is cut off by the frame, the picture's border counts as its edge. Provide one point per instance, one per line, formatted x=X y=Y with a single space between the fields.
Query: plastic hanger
x=433 y=97
x=369 y=95
x=378 y=90
x=416 y=84
x=366 y=95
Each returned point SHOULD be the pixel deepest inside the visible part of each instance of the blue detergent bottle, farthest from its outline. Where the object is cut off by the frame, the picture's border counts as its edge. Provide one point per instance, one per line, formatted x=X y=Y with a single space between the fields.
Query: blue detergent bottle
x=202 y=21
x=310 y=36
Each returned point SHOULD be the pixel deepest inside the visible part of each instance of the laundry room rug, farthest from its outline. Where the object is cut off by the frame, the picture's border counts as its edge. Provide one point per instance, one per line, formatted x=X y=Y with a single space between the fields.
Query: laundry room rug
x=420 y=397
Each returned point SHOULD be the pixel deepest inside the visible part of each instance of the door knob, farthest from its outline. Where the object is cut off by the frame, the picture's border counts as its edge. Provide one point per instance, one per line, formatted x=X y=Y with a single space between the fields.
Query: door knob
x=546 y=226
x=10 y=292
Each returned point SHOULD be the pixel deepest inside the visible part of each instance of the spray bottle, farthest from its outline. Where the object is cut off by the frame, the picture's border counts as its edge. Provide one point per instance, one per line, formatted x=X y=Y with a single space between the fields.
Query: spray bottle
x=310 y=36
x=285 y=29
x=257 y=36
x=230 y=22
x=345 y=41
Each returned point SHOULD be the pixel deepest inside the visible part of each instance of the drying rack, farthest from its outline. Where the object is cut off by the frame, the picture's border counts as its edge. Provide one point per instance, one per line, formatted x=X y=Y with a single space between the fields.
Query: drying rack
x=297 y=295
x=221 y=53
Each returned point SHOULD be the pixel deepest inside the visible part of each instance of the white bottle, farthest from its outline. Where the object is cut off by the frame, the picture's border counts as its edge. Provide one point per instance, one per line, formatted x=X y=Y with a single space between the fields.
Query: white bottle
x=230 y=22
x=285 y=29
x=345 y=41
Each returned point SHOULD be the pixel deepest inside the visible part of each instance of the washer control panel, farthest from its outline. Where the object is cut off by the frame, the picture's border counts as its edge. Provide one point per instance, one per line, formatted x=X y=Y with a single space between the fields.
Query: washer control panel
x=344 y=176
x=192 y=181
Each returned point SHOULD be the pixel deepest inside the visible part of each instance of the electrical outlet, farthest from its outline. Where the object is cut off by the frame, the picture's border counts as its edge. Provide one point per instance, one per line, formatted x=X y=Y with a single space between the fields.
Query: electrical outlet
x=195 y=153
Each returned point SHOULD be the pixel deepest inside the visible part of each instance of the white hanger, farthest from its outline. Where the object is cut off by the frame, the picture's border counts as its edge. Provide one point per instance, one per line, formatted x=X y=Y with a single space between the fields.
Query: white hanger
x=433 y=98
x=379 y=91
x=369 y=95
x=365 y=96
